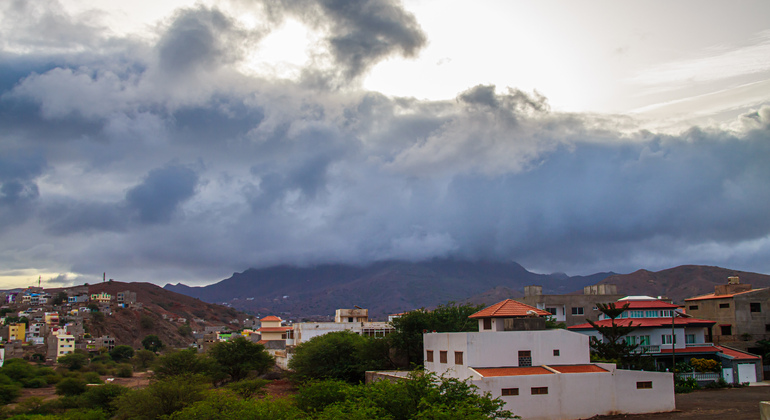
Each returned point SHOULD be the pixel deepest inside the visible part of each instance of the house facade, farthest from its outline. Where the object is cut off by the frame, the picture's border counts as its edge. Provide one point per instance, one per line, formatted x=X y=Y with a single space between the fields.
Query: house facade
x=542 y=374
x=741 y=313
x=571 y=309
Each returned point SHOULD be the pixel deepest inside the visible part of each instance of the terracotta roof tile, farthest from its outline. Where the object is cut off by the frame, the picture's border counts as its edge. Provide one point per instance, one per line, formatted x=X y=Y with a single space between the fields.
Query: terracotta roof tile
x=270 y=318
x=274 y=329
x=578 y=368
x=513 y=371
x=508 y=308
x=646 y=304
x=715 y=296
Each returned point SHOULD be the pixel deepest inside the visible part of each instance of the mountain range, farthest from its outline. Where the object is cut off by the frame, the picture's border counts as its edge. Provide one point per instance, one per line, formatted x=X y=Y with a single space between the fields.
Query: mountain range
x=384 y=288
x=387 y=287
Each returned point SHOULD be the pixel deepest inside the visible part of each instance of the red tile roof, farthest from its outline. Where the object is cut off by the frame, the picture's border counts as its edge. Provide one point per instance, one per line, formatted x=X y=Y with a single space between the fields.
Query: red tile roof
x=508 y=308
x=513 y=371
x=646 y=323
x=270 y=318
x=577 y=368
x=735 y=354
x=714 y=296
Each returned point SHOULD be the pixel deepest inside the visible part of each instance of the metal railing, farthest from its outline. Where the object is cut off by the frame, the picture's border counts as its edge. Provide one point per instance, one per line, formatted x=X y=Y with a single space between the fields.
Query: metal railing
x=700 y=376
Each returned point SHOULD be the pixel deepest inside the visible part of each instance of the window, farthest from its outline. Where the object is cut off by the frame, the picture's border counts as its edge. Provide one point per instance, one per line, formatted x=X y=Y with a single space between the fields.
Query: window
x=510 y=391
x=755 y=307
x=631 y=340
x=442 y=356
x=539 y=390
x=637 y=314
x=767 y=327
x=644 y=340
x=577 y=311
x=525 y=358
x=693 y=307
x=488 y=323
x=458 y=357
x=644 y=385
x=726 y=329
x=555 y=352
x=551 y=310
x=429 y=356
x=665 y=339
x=724 y=305
x=665 y=314
x=350 y=319
x=651 y=314
x=689 y=338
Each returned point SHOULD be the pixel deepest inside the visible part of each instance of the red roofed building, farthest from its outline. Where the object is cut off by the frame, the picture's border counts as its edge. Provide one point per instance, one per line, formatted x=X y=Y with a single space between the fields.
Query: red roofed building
x=655 y=320
x=542 y=373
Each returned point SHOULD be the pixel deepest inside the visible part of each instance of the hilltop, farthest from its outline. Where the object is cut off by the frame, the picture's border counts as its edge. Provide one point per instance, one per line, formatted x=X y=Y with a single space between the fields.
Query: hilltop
x=682 y=282
x=384 y=287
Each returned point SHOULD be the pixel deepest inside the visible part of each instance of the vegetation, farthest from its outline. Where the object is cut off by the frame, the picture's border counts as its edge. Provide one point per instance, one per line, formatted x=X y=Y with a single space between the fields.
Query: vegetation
x=238 y=357
x=341 y=355
x=613 y=347
x=407 y=338
x=152 y=343
x=122 y=353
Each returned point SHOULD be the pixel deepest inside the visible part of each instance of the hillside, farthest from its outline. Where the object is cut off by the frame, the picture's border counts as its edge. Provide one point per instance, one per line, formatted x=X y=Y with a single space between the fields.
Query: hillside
x=681 y=282
x=125 y=324
x=384 y=288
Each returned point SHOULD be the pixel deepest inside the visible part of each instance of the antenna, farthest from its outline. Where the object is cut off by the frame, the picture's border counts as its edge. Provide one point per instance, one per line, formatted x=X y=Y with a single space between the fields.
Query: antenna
x=39 y=279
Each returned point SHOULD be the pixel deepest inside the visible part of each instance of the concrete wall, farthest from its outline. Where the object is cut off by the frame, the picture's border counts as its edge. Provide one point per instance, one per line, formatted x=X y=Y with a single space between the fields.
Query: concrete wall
x=738 y=315
x=502 y=349
x=583 y=395
x=565 y=303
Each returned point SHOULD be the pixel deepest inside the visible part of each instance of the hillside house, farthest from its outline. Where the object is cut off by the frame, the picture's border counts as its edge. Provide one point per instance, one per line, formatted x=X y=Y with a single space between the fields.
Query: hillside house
x=60 y=345
x=741 y=313
x=656 y=320
x=351 y=315
x=15 y=332
x=101 y=297
x=126 y=297
x=542 y=374
x=571 y=309
x=272 y=330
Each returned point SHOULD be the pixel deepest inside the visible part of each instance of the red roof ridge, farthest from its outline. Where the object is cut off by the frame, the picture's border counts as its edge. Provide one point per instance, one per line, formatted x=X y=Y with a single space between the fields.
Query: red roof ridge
x=509 y=308
x=270 y=318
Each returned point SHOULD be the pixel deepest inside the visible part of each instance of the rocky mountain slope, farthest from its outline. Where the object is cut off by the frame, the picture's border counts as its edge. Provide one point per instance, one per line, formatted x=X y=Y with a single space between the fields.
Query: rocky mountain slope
x=384 y=288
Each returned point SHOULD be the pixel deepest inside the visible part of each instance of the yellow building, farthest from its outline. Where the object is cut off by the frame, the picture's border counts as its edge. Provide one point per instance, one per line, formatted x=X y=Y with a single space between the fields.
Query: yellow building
x=65 y=344
x=17 y=332
x=101 y=297
x=52 y=318
x=272 y=330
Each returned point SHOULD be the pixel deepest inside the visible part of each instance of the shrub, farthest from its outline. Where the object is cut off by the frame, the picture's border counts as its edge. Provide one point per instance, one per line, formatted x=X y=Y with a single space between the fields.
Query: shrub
x=38 y=382
x=162 y=397
x=101 y=397
x=316 y=395
x=9 y=393
x=146 y=322
x=684 y=386
x=121 y=353
x=705 y=365
x=249 y=387
x=70 y=386
x=92 y=378
x=124 y=371
x=73 y=361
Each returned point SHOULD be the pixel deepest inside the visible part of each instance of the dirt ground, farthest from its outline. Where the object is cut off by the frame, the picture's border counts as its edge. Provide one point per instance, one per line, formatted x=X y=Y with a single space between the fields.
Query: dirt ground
x=720 y=404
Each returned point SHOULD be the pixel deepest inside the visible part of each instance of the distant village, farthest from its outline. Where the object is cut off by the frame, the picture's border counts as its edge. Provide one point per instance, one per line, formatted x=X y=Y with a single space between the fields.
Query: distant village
x=513 y=355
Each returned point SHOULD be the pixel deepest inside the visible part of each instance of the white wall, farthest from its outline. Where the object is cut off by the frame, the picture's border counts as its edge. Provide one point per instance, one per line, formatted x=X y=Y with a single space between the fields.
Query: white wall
x=583 y=395
x=502 y=349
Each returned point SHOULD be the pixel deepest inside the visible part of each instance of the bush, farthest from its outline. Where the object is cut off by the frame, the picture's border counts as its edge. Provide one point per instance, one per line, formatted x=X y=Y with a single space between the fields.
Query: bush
x=339 y=355
x=124 y=371
x=162 y=397
x=719 y=383
x=73 y=361
x=122 y=353
x=38 y=382
x=146 y=322
x=249 y=387
x=315 y=396
x=225 y=406
x=705 y=365
x=143 y=359
x=92 y=378
x=684 y=386
x=70 y=386
x=9 y=393
x=152 y=343
x=101 y=397
x=239 y=357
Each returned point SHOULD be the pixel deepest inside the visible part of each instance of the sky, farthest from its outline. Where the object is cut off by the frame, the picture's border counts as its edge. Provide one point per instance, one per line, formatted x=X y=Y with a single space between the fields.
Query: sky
x=182 y=141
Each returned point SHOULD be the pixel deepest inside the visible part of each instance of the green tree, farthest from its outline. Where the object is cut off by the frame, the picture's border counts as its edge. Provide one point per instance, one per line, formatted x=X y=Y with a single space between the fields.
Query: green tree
x=73 y=361
x=339 y=355
x=226 y=406
x=407 y=338
x=161 y=398
x=71 y=386
x=239 y=357
x=613 y=346
x=146 y=322
x=101 y=397
x=152 y=343
x=60 y=298
x=121 y=353
x=185 y=330
x=143 y=359
x=182 y=362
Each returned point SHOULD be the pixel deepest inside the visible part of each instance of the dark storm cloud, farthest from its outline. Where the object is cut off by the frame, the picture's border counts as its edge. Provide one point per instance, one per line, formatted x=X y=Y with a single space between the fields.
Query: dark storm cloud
x=160 y=194
x=267 y=172
x=358 y=34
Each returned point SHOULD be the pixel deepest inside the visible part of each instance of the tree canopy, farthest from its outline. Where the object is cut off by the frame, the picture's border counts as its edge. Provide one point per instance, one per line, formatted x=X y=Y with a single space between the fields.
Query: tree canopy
x=341 y=355
x=239 y=357
x=613 y=347
x=407 y=338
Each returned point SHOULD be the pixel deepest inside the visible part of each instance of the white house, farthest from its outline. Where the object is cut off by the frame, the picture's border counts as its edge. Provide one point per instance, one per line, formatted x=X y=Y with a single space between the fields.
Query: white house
x=542 y=374
x=655 y=321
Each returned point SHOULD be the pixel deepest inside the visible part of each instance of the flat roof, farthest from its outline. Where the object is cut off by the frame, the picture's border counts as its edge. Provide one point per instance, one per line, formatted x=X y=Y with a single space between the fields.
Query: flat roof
x=513 y=371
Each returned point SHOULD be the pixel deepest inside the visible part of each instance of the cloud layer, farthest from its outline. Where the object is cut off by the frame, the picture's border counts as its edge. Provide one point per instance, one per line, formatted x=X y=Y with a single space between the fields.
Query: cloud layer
x=158 y=161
